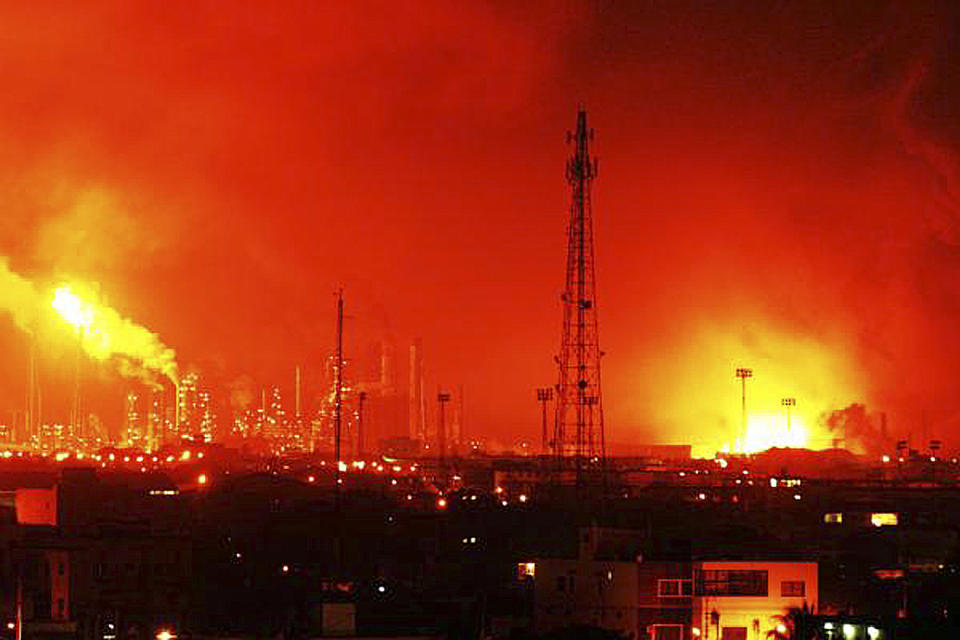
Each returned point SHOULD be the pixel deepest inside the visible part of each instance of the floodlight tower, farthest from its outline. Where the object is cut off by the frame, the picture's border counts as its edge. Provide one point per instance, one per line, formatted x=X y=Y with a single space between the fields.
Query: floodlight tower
x=743 y=373
x=579 y=427
x=787 y=403
x=544 y=395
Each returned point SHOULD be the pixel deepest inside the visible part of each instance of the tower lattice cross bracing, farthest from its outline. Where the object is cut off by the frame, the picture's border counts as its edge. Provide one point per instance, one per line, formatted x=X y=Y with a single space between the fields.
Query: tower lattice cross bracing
x=579 y=425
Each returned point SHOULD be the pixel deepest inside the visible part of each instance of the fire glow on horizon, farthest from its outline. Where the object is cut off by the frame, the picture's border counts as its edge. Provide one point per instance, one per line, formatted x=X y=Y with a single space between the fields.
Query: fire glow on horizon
x=766 y=431
x=700 y=402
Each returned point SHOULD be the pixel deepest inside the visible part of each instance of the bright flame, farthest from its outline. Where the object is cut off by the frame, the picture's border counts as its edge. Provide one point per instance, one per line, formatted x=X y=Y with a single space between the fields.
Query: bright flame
x=73 y=309
x=105 y=334
x=698 y=399
x=770 y=430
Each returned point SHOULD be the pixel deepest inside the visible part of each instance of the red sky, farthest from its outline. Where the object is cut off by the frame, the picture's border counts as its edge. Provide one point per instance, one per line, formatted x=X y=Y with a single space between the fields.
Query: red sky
x=776 y=185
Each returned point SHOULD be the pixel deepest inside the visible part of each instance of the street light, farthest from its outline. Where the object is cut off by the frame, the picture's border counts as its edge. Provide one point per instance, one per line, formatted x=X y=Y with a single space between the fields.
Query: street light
x=743 y=373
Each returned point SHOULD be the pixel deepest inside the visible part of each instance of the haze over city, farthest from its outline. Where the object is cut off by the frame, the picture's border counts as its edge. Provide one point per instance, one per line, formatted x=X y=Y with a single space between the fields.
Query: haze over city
x=479 y=320
x=776 y=190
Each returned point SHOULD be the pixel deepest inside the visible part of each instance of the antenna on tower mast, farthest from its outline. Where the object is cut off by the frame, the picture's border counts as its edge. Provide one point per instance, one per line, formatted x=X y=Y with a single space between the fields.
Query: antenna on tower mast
x=578 y=432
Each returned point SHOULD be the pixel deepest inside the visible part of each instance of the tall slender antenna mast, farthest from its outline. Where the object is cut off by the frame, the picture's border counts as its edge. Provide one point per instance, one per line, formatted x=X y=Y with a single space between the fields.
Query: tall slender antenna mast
x=579 y=427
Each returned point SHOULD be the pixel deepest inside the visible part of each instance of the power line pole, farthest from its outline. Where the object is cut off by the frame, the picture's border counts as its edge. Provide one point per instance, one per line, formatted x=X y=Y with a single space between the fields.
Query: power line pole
x=579 y=404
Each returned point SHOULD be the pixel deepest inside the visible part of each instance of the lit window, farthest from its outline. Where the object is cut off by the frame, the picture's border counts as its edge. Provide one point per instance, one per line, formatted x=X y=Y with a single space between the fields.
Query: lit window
x=674 y=588
x=884 y=519
x=526 y=570
x=666 y=632
x=731 y=582
x=833 y=518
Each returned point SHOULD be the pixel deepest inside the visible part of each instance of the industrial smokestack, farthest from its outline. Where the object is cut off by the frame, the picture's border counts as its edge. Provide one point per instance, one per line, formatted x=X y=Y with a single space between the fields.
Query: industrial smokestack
x=297 y=393
x=417 y=423
x=387 y=373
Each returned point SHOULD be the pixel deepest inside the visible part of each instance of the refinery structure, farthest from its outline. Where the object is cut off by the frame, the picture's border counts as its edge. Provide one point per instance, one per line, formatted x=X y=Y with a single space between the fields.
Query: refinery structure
x=381 y=398
x=355 y=403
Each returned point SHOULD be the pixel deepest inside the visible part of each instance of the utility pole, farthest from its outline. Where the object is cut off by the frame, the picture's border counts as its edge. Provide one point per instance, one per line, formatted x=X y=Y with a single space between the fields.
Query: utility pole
x=544 y=395
x=338 y=391
x=743 y=373
x=579 y=427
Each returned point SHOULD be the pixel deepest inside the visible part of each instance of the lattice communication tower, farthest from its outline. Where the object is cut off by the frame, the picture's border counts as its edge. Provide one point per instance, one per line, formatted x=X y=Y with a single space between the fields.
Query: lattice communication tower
x=578 y=432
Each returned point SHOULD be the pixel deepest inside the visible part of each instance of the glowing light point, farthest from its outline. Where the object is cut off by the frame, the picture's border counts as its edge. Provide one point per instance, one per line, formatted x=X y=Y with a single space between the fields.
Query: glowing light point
x=72 y=309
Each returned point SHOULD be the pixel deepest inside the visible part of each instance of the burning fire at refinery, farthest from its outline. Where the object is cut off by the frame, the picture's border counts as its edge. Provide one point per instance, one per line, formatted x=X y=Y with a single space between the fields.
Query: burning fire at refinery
x=630 y=321
x=721 y=416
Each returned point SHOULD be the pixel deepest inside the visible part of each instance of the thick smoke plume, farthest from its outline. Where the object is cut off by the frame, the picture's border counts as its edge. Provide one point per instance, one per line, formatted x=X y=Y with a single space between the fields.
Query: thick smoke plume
x=19 y=297
x=860 y=430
